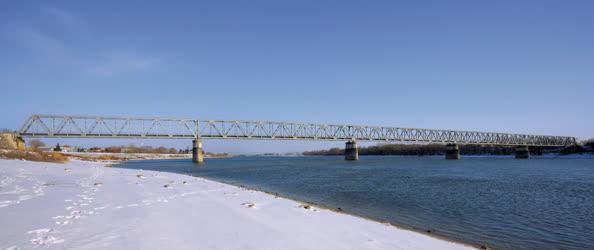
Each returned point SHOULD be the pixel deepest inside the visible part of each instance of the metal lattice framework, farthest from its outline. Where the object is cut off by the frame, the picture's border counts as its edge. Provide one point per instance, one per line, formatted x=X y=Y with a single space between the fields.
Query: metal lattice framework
x=143 y=127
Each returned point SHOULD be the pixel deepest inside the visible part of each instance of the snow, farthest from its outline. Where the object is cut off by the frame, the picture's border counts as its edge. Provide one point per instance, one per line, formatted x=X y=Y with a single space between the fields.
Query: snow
x=86 y=205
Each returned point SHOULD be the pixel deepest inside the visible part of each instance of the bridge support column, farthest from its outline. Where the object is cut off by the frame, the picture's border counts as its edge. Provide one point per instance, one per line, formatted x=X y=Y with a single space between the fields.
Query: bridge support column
x=452 y=152
x=197 y=155
x=351 y=152
x=522 y=152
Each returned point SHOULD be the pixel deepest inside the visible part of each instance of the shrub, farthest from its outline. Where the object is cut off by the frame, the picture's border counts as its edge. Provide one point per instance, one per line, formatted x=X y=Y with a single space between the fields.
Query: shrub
x=589 y=143
x=34 y=156
x=36 y=144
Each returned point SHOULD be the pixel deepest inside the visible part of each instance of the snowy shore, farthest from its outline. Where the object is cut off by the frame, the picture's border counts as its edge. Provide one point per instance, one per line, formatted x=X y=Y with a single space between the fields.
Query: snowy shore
x=85 y=205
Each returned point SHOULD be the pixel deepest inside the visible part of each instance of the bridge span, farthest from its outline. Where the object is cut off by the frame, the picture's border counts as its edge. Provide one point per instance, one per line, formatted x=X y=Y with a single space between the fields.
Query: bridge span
x=66 y=126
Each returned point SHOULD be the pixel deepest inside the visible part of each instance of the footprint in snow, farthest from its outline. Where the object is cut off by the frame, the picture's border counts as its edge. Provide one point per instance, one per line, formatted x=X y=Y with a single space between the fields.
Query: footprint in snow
x=248 y=204
x=65 y=222
x=43 y=237
x=5 y=203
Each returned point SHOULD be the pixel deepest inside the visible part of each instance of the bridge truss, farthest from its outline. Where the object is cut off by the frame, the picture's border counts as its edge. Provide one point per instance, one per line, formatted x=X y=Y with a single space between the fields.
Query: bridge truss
x=144 y=127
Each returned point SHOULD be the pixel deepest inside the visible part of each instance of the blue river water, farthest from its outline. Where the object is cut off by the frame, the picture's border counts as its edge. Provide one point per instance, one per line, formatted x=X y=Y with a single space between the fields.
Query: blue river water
x=502 y=203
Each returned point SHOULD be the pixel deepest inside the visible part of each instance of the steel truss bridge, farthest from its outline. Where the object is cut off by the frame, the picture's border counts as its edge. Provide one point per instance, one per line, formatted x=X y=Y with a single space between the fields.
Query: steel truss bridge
x=168 y=128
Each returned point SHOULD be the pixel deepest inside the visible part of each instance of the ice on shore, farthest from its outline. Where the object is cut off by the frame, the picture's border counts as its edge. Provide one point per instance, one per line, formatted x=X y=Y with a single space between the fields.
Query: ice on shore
x=84 y=205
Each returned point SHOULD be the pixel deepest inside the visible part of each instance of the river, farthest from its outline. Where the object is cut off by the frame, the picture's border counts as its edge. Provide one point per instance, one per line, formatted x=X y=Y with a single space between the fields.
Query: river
x=504 y=203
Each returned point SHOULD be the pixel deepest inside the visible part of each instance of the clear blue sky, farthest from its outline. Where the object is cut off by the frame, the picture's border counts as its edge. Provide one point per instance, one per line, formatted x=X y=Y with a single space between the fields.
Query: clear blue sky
x=511 y=66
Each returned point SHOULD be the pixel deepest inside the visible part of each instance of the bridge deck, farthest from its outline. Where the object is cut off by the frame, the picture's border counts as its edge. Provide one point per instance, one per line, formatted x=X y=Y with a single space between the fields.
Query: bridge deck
x=141 y=127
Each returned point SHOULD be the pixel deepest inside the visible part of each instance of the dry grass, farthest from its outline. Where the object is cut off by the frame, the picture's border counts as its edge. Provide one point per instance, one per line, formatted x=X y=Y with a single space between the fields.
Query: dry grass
x=34 y=156
x=111 y=158
x=99 y=157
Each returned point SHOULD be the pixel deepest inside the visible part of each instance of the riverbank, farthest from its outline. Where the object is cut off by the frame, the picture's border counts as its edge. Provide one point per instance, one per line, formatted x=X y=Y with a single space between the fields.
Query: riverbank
x=87 y=205
x=450 y=199
x=88 y=156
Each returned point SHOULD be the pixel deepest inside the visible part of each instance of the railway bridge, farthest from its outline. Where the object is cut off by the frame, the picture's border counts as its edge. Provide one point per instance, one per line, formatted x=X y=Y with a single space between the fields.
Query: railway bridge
x=67 y=126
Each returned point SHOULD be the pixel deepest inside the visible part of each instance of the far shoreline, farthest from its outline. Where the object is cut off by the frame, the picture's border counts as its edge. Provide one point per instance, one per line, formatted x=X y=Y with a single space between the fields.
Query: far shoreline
x=133 y=156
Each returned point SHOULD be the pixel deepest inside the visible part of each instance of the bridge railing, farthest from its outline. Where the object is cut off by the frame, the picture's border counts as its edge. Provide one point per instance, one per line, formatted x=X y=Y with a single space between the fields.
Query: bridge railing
x=143 y=127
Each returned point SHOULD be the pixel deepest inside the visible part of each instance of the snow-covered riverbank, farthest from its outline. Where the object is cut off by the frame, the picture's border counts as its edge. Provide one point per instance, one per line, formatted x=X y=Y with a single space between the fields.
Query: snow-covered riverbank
x=87 y=205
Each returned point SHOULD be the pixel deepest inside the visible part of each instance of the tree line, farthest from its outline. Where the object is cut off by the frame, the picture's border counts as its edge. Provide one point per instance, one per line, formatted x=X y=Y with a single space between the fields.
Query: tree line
x=141 y=149
x=36 y=145
x=439 y=149
x=418 y=149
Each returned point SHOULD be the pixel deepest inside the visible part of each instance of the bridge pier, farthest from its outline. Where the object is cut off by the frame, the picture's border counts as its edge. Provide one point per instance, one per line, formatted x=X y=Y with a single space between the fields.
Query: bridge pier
x=522 y=152
x=351 y=152
x=452 y=152
x=197 y=154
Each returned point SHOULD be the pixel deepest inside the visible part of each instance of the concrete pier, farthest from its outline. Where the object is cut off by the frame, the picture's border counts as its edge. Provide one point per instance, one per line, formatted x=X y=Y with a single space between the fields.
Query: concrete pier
x=197 y=154
x=351 y=152
x=522 y=152
x=452 y=152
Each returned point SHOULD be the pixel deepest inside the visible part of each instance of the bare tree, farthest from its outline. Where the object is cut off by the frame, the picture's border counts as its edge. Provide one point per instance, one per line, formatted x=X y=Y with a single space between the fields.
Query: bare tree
x=36 y=144
x=161 y=150
x=172 y=151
